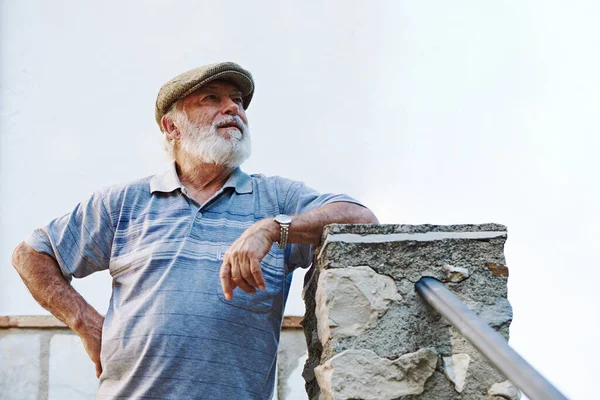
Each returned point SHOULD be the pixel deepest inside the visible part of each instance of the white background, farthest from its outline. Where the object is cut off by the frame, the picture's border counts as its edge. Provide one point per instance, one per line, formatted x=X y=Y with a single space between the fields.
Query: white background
x=429 y=112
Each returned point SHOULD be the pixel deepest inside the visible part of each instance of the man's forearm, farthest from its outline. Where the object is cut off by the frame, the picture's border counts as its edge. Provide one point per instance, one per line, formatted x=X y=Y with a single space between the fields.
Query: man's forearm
x=51 y=290
x=308 y=228
x=241 y=264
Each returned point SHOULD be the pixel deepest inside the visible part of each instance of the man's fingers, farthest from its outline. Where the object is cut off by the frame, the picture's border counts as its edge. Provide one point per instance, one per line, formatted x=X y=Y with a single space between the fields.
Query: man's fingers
x=241 y=265
x=248 y=274
x=257 y=273
x=226 y=282
x=243 y=284
x=236 y=276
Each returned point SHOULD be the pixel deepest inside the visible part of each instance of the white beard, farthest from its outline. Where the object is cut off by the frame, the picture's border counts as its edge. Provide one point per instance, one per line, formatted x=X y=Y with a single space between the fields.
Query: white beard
x=205 y=143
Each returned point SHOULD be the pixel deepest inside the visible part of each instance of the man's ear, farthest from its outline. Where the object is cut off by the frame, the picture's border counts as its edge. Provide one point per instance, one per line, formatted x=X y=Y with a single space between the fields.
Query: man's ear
x=169 y=128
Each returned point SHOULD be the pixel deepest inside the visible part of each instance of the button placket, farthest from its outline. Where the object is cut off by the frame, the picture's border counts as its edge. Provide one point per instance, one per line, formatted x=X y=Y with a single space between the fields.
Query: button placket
x=194 y=210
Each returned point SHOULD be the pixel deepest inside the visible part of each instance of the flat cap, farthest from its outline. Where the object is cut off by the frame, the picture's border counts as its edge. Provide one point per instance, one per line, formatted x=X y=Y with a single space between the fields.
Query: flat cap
x=190 y=81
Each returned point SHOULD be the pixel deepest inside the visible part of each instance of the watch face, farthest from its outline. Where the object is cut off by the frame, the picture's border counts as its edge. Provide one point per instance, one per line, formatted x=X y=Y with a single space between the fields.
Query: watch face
x=283 y=219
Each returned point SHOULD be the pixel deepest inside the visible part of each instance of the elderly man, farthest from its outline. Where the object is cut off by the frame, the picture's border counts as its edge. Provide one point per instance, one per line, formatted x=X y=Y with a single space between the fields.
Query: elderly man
x=201 y=255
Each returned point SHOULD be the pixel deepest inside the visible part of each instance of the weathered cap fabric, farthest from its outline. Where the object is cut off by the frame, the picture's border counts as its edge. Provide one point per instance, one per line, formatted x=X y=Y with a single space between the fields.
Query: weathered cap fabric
x=190 y=81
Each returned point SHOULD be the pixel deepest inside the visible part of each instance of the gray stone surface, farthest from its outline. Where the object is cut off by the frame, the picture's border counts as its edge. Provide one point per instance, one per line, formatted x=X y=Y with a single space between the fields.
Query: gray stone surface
x=19 y=365
x=505 y=390
x=405 y=254
x=456 y=367
x=309 y=325
x=368 y=229
x=455 y=274
x=350 y=300
x=362 y=374
x=72 y=374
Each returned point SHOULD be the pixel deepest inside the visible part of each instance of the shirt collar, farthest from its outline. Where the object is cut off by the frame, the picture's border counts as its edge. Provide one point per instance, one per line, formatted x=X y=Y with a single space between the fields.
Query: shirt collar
x=168 y=181
x=240 y=181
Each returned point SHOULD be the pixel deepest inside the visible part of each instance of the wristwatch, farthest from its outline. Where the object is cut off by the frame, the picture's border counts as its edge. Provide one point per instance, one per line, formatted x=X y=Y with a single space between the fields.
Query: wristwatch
x=284 y=222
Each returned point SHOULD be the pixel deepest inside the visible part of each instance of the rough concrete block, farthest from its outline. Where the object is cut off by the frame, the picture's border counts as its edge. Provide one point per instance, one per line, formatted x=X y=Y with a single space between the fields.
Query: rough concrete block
x=72 y=373
x=19 y=366
x=469 y=259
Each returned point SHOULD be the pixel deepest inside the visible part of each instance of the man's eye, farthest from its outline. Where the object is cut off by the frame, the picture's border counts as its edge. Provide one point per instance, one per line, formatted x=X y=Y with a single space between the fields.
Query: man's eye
x=238 y=100
x=211 y=97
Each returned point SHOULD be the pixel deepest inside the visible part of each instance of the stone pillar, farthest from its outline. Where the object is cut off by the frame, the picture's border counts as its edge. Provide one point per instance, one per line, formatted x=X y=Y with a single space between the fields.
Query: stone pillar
x=370 y=335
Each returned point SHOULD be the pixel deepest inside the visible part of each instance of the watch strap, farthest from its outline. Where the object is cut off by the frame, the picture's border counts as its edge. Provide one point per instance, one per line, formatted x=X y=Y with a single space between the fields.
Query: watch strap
x=284 y=230
x=284 y=222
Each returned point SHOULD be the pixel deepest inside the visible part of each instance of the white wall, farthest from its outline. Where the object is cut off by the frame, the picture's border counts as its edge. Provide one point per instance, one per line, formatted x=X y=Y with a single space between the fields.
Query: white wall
x=429 y=112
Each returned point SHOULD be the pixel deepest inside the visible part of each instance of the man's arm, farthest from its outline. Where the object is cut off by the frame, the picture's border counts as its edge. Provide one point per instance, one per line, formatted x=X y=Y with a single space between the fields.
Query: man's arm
x=308 y=228
x=241 y=264
x=50 y=289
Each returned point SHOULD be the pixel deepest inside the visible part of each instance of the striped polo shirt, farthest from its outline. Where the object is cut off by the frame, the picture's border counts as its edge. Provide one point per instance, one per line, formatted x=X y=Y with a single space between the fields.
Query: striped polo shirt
x=169 y=332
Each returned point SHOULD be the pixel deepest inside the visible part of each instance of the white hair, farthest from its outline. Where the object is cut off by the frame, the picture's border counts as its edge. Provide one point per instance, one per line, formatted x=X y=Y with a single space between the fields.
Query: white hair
x=205 y=143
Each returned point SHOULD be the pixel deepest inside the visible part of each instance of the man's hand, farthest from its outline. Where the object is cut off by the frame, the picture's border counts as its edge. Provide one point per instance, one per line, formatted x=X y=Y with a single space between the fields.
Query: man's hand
x=43 y=278
x=91 y=336
x=241 y=264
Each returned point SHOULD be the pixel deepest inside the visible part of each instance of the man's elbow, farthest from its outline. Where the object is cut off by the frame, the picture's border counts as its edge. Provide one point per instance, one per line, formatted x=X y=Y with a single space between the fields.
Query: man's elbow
x=361 y=215
x=17 y=256
x=367 y=217
x=21 y=254
x=349 y=213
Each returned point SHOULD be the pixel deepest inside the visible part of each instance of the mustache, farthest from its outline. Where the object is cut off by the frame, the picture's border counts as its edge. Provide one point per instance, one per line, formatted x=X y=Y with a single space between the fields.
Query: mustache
x=231 y=120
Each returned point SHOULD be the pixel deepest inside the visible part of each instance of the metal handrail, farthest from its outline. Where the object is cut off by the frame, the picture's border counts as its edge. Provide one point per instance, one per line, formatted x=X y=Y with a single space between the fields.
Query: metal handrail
x=489 y=342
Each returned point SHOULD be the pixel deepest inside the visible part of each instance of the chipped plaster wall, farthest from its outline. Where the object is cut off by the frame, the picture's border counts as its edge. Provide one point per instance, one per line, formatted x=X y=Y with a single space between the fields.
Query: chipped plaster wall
x=369 y=334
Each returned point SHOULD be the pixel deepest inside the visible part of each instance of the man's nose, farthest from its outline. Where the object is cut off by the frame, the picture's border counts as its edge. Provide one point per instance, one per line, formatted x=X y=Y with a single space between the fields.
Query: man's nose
x=231 y=108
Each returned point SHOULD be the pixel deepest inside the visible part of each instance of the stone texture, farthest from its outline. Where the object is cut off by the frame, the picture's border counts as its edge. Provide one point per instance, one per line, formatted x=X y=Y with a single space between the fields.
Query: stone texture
x=362 y=374
x=20 y=366
x=455 y=369
x=309 y=327
x=369 y=229
x=498 y=314
x=455 y=274
x=497 y=269
x=505 y=390
x=72 y=374
x=352 y=299
x=406 y=253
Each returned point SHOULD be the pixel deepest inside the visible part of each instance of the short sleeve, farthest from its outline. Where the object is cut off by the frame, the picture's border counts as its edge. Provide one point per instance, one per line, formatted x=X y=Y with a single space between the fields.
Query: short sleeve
x=301 y=199
x=80 y=241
